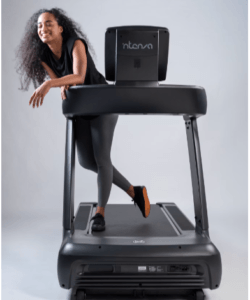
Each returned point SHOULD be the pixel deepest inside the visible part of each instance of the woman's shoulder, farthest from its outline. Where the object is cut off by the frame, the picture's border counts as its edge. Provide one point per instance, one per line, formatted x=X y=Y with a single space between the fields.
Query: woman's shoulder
x=71 y=41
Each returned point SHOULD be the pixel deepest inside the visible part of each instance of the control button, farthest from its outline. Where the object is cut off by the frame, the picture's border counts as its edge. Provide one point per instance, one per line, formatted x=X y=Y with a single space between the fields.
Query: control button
x=142 y=268
x=160 y=269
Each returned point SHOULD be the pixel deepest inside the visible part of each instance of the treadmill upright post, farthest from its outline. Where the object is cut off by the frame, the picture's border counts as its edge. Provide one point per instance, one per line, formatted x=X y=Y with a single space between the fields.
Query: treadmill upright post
x=200 y=205
x=69 y=178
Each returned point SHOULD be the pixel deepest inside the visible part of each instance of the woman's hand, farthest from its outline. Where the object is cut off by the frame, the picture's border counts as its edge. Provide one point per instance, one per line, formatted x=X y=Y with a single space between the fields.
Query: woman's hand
x=39 y=94
x=64 y=88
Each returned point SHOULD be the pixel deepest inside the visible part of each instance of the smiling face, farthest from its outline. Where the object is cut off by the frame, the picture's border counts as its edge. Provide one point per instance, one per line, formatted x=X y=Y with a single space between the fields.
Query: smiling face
x=47 y=28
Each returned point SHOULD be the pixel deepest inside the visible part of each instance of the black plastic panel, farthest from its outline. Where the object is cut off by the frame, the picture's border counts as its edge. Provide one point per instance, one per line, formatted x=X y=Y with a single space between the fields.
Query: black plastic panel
x=100 y=269
x=180 y=218
x=112 y=40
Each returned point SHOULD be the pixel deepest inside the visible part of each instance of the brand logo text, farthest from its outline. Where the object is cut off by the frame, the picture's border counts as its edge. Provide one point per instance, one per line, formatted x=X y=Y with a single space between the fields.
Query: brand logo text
x=138 y=241
x=130 y=45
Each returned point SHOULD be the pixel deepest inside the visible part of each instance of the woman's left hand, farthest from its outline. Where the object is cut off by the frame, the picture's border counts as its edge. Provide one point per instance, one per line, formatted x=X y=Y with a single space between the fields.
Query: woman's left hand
x=39 y=94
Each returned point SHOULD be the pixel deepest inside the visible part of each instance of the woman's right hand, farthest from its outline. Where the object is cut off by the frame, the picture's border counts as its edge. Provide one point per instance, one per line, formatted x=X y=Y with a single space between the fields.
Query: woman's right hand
x=64 y=88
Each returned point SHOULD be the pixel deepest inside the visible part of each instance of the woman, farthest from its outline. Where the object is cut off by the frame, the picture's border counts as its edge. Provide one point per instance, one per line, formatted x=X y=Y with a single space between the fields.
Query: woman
x=54 y=45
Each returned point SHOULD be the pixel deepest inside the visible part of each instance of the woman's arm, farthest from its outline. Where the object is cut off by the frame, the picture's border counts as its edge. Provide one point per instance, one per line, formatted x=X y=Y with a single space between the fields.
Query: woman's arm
x=79 y=70
x=79 y=67
x=52 y=75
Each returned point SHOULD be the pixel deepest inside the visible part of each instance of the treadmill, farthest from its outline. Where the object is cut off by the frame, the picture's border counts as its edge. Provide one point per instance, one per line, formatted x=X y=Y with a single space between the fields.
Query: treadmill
x=163 y=256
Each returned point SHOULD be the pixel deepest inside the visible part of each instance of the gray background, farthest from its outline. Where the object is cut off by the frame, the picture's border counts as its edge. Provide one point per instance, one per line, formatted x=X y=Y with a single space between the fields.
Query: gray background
x=208 y=47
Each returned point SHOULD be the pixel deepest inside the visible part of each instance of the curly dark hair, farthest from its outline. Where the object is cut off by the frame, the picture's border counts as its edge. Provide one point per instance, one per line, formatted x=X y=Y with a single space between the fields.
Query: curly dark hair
x=31 y=47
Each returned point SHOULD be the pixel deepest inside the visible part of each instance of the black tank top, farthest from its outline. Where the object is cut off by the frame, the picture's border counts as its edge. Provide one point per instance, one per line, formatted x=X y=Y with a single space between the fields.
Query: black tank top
x=64 y=65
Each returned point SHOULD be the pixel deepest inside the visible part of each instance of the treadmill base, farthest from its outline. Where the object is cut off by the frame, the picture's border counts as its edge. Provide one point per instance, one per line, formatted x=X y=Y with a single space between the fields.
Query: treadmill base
x=172 y=294
x=157 y=254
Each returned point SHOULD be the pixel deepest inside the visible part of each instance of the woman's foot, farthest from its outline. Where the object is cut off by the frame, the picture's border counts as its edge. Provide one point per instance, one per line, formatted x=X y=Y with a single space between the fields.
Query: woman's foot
x=99 y=222
x=131 y=191
x=100 y=210
x=141 y=199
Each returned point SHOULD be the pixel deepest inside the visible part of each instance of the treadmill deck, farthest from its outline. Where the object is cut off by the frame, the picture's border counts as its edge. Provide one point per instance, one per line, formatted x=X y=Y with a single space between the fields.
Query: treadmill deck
x=125 y=225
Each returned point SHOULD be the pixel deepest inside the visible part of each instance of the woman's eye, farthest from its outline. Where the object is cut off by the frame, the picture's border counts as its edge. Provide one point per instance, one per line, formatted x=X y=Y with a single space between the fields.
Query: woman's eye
x=45 y=25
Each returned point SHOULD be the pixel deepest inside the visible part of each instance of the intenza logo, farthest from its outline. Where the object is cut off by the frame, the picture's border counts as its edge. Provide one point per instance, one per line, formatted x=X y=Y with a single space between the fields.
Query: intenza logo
x=136 y=46
x=138 y=241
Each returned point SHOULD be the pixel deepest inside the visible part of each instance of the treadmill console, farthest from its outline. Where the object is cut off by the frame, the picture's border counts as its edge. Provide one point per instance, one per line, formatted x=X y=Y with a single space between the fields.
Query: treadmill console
x=136 y=54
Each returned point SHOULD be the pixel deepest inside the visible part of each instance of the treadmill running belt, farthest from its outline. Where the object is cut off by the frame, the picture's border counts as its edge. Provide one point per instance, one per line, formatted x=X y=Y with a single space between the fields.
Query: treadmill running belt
x=124 y=220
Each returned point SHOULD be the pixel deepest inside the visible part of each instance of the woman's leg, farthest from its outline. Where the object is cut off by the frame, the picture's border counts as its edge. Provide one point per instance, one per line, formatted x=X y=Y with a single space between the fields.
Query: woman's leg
x=84 y=145
x=86 y=153
x=102 y=130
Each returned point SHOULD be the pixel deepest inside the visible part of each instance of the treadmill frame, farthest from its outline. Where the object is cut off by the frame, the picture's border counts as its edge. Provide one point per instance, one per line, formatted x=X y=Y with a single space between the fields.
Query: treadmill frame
x=195 y=248
x=199 y=197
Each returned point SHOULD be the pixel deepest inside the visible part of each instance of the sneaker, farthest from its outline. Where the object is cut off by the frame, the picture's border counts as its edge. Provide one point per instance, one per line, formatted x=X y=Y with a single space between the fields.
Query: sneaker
x=99 y=222
x=141 y=199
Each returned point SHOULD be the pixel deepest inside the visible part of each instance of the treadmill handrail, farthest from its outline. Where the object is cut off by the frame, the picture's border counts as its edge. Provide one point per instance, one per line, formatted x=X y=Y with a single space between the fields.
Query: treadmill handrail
x=101 y=99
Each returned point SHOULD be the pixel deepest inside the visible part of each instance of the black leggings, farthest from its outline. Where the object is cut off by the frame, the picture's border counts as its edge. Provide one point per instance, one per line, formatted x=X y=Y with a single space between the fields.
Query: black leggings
x=93 y=141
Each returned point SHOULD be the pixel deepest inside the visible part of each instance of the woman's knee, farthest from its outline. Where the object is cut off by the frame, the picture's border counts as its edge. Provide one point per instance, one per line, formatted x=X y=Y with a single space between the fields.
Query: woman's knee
x=88 y=165
x=103 y=161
